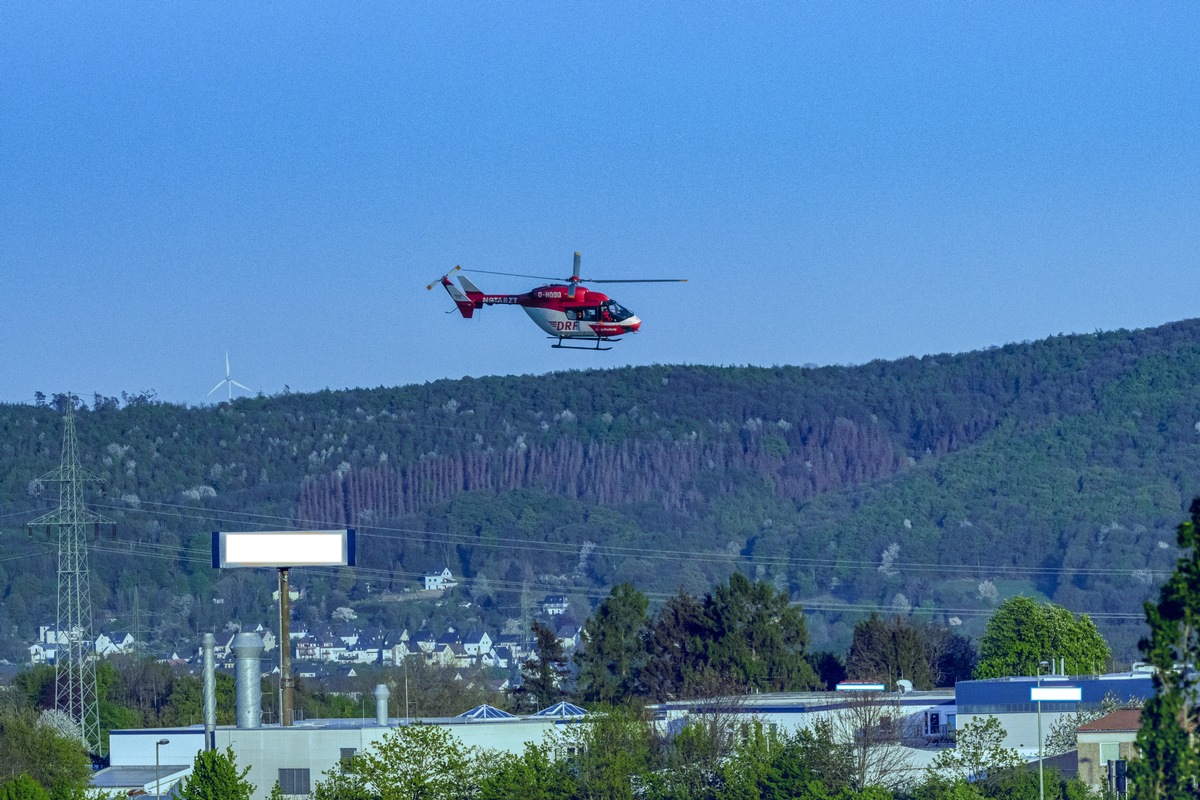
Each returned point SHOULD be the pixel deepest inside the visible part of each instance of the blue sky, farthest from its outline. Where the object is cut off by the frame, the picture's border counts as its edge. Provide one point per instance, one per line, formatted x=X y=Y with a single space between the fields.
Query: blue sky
x=839 y=181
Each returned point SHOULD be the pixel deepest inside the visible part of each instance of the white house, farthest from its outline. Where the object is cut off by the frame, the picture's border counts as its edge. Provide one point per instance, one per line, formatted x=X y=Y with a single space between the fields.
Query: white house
x=569 y=636
x=477 y=643
x=50 y=634
x=555 y=605
x=119 y=642
x=40 y=653
x=499 y=657
x=398 y=652
x=440 y=581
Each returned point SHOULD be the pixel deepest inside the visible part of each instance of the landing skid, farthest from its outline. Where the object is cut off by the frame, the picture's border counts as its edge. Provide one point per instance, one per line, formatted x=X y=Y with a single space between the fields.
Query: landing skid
x=562 y=346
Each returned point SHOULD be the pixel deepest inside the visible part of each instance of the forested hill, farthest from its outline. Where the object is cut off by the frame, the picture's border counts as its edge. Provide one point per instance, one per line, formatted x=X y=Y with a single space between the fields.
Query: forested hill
x=935 y=486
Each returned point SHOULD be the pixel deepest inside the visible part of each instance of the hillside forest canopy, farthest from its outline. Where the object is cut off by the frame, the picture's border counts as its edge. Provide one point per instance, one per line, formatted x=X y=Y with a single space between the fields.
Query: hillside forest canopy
x=930 y=488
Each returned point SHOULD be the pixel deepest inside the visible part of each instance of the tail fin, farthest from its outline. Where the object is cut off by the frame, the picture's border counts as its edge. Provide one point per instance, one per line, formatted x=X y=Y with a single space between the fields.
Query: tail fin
x=471 y=289
x=465 y=306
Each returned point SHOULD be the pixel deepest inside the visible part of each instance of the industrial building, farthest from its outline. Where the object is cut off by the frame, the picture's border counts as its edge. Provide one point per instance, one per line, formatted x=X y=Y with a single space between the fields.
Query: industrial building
x=298 y=755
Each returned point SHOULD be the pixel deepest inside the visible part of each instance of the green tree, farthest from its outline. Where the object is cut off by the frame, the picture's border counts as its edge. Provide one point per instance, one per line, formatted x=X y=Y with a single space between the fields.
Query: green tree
x=54 y=761
x=1169 y=763
x=542 y=674
x=23 y=787
x=418 y=762
x=673 y=649
x=534 y=775
x=215 y=776
x=978 y=752
x=1022 y=633
x=613 y=751
x=613 y=646
x=756 y=637
x=888 y=650
x=342 y=784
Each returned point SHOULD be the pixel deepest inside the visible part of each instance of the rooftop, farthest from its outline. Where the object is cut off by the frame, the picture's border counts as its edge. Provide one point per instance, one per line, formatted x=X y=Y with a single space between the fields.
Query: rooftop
x=1123 y=719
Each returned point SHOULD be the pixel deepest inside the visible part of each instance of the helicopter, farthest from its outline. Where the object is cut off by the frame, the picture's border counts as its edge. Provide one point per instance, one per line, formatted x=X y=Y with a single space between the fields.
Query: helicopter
x=566 y=311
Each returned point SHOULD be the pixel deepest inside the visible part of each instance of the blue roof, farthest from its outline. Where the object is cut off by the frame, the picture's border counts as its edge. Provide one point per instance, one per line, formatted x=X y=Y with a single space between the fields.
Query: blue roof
x=562 y=710
x=485 y=712
x=1011 y=695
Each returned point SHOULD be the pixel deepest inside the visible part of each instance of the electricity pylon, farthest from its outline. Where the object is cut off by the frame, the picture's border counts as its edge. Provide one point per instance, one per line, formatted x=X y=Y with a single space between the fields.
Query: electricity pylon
x=75 y=660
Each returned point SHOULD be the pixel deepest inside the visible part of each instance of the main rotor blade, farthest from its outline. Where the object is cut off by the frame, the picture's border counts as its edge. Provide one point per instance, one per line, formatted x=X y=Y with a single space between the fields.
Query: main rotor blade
x=636 y=280
x=575 y=269
x=516 y=275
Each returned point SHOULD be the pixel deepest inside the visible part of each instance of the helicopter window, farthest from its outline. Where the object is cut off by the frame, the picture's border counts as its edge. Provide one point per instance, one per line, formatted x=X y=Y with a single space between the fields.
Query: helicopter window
x=571 y=313
x=588 y=314
x=618 y=312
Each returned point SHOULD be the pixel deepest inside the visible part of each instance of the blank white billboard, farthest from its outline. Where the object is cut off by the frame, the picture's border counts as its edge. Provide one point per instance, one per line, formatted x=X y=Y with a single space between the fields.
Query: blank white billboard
x=1055 y=694
x=276 y=549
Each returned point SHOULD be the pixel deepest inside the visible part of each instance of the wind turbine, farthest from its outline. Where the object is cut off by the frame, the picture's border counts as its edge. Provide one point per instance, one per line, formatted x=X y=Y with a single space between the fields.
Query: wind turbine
x=230 y=382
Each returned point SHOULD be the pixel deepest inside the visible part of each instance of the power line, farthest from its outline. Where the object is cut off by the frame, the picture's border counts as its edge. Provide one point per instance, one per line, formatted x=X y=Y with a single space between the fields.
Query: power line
x=510 y=543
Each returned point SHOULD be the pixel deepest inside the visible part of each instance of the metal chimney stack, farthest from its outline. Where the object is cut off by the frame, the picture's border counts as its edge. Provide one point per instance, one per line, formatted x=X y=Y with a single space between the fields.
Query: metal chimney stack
x=381 y=705
x=248 y=648
x=210 y=692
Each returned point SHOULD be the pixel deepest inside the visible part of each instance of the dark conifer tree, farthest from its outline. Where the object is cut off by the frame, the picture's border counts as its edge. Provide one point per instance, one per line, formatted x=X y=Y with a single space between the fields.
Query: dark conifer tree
x=1169 y=762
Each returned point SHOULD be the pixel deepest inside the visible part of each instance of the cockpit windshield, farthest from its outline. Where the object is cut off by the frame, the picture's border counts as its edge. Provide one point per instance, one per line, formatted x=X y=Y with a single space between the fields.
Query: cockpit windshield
x=617 y=312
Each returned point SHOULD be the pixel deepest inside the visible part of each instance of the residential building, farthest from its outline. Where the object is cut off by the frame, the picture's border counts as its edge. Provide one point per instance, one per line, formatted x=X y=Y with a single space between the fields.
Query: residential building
x=555 y=605
x=440 y=581
x=116 y=642
x=1109 y=738
x=477 y=643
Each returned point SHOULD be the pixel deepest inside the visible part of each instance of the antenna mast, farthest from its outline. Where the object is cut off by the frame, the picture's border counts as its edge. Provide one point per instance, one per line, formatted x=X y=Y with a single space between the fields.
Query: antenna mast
x=75 y=661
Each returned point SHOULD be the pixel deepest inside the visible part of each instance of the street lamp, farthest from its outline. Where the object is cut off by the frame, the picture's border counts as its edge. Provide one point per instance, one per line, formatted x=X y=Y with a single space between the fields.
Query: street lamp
x=157 y=780
x=1051 y=694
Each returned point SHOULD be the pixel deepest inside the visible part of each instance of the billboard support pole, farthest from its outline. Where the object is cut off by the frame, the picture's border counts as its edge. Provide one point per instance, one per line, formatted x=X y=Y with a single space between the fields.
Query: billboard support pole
x=261 y=550
x=285 y=650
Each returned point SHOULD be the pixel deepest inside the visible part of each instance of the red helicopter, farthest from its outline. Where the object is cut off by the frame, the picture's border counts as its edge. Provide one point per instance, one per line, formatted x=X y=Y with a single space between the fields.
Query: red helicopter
x=568 y=312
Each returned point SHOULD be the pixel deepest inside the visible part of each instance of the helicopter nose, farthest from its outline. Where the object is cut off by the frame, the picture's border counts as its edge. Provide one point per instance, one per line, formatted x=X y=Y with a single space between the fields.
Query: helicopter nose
x=632 y=324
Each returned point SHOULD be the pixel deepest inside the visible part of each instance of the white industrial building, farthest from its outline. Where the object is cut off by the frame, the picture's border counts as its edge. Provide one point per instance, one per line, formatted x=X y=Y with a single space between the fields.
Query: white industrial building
x=298 y=755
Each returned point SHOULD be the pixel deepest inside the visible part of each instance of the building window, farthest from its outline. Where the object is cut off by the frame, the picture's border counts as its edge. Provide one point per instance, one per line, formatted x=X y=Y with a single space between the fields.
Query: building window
x=347 y=756
x=1109 y=751
x=294 y=781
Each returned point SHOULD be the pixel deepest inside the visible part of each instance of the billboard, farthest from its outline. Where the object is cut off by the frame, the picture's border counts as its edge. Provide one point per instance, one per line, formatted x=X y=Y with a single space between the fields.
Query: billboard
x=1055 y=694
x=277 y=549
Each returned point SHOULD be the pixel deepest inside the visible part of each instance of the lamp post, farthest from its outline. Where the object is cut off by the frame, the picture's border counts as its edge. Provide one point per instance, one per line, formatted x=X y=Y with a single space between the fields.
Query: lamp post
x=1051 y=694
x=157 y=779
x=1041 y=780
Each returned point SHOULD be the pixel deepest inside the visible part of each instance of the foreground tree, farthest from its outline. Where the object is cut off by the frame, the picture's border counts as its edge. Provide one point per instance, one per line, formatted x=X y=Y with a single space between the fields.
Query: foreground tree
x=215 y=776
x=23 y=787
x=612 y=748
x=1169 y=766
x=1022 y=633
x=421 y=762
x=534 y=775
x=978 y=753
x=54 y=761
